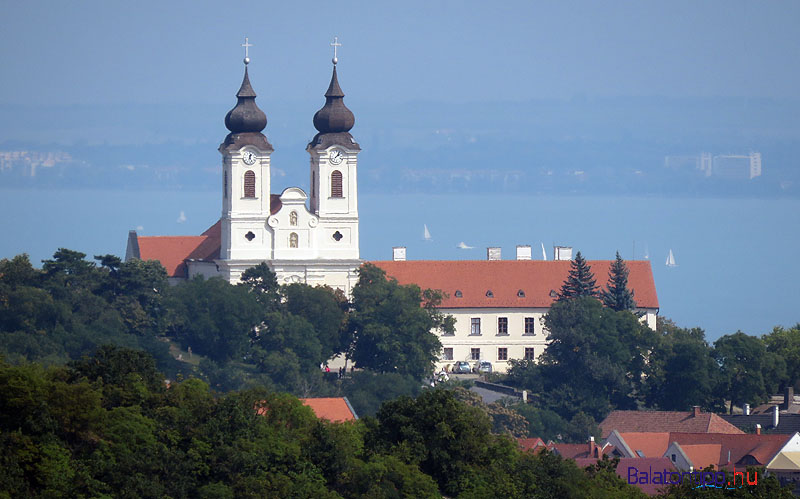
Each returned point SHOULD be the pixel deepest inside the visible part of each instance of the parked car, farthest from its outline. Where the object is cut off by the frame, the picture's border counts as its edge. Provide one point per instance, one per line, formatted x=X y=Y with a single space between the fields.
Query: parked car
x=461 y=367
x=483 y=366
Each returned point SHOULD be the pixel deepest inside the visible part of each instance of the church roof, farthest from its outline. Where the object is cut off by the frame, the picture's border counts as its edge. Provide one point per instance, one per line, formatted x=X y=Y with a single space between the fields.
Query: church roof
x=173 y=251
x=512 y=283
x=245 y=117
x=334 y=117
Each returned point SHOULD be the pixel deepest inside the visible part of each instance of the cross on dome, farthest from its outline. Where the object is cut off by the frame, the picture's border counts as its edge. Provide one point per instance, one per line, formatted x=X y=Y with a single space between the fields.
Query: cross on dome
x=246 y=46
x=335 y=44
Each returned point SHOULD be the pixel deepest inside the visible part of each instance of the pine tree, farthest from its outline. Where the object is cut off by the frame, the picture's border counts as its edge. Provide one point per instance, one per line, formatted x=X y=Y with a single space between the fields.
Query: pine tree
x=580 y=281
x=617 y=296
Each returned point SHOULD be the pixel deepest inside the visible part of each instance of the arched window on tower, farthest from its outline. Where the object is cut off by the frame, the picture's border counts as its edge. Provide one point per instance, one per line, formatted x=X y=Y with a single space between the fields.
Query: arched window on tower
x=293 y=218
x=249 y=184
x=293 y=240
x=336 y=184
x=225 y=186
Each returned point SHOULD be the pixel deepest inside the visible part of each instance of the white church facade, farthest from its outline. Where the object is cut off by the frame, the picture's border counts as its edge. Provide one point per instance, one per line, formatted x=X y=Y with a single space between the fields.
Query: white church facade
x=312 y=237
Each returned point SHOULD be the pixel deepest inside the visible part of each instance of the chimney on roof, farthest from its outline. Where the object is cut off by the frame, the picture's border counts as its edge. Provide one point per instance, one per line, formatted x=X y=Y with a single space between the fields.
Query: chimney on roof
x=399 y=253
x=695 y=410
x=758 y=429
x=493 y=254
x=562 y=252
x=775 y=416
x=523 y=252
x=747 y=409
x=788 y=397
x=592 y=447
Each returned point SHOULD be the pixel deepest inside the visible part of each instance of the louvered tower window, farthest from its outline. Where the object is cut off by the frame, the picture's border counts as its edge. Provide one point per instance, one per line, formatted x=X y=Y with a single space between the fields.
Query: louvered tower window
x=249 y=184
x=336 y=184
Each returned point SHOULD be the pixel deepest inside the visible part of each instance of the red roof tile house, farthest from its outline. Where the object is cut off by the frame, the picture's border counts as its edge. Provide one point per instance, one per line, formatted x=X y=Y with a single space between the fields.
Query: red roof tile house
x=334 y=409
x=693 y=421
x=498 y=304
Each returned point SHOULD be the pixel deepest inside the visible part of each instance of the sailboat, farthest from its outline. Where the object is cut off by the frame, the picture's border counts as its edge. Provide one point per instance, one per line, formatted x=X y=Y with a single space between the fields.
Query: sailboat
x=646 y=253
x=671 y=259
x=426 y=235
x=544 y=254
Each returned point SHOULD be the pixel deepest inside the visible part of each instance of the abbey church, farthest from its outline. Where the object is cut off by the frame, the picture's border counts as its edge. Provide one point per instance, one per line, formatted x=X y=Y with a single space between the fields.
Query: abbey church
x=311 y=236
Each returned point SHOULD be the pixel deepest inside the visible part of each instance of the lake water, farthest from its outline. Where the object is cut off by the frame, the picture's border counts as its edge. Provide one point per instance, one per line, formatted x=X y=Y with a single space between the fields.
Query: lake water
x=736 y=264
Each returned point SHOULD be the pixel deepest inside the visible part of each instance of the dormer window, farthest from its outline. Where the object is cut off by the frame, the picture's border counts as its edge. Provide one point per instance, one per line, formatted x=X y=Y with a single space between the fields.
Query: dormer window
x=553 y=294
x=520 y=294
x=489 y=294
x=458 y=293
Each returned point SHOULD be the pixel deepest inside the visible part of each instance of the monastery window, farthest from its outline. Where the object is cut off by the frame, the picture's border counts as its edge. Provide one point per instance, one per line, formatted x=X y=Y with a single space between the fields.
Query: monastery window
x=293 y=218
x=475 y=353
x=293 y=240
x=336 y=184
x=249 y=236
x=530 y=353
x=475 y=326
x=502 y=325
x=249 y=184
x=225 y=185
x=502 y=353
x=530 y=325
x=447 y=354
x=459 y=294
x=337 y=236
x=313 y=187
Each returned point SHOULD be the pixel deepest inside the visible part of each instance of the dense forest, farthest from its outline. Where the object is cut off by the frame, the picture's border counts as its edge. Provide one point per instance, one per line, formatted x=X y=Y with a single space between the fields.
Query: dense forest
x=113 y=382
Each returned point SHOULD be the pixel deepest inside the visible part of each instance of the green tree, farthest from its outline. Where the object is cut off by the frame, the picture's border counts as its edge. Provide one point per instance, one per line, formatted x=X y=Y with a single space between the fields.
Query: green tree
x=263 y=282
x=326 y=312
x=785 y=343
x=214 y=318
x=681 y=370
x=580 y=281
x=392 y=324
x=617 y=296
x=743 y=360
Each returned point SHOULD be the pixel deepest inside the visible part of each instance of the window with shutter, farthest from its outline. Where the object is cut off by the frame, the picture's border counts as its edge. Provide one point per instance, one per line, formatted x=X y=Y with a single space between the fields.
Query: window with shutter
x=249 y=184
x=336 y=184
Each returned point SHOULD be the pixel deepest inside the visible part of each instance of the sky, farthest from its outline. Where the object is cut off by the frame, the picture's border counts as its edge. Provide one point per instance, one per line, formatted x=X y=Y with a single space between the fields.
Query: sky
x=472 y=51
x=180 y=62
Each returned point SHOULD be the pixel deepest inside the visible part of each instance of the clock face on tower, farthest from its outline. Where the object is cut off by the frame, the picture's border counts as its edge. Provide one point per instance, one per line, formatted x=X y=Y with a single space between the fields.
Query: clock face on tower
x=249 y=157
x=335 y=157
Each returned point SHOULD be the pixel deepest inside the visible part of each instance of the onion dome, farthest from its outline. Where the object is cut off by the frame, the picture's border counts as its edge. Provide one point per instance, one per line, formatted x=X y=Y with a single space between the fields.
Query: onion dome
x=334 y=117
x=245 y=117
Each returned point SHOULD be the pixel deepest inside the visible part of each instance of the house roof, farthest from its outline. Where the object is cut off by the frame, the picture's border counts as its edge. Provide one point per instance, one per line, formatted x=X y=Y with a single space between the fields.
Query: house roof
x=785 y=461
x=534 y=445
x=666 y=421
x=575 y=451
x=649 y=444
x=713 y=448
x=538 y=280
x=648 y=464
x=787 y=423
x=334 y=409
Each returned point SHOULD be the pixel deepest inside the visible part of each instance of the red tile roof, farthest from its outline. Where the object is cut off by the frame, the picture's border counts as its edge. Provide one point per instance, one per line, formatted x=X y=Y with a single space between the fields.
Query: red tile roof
x=335 y=409
x=701 y=447
x=505 y=278
x=575 y=451
x=649 y=444
x=534 y=445
x=648 y=464
x=173 y=251
x=666 y=421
